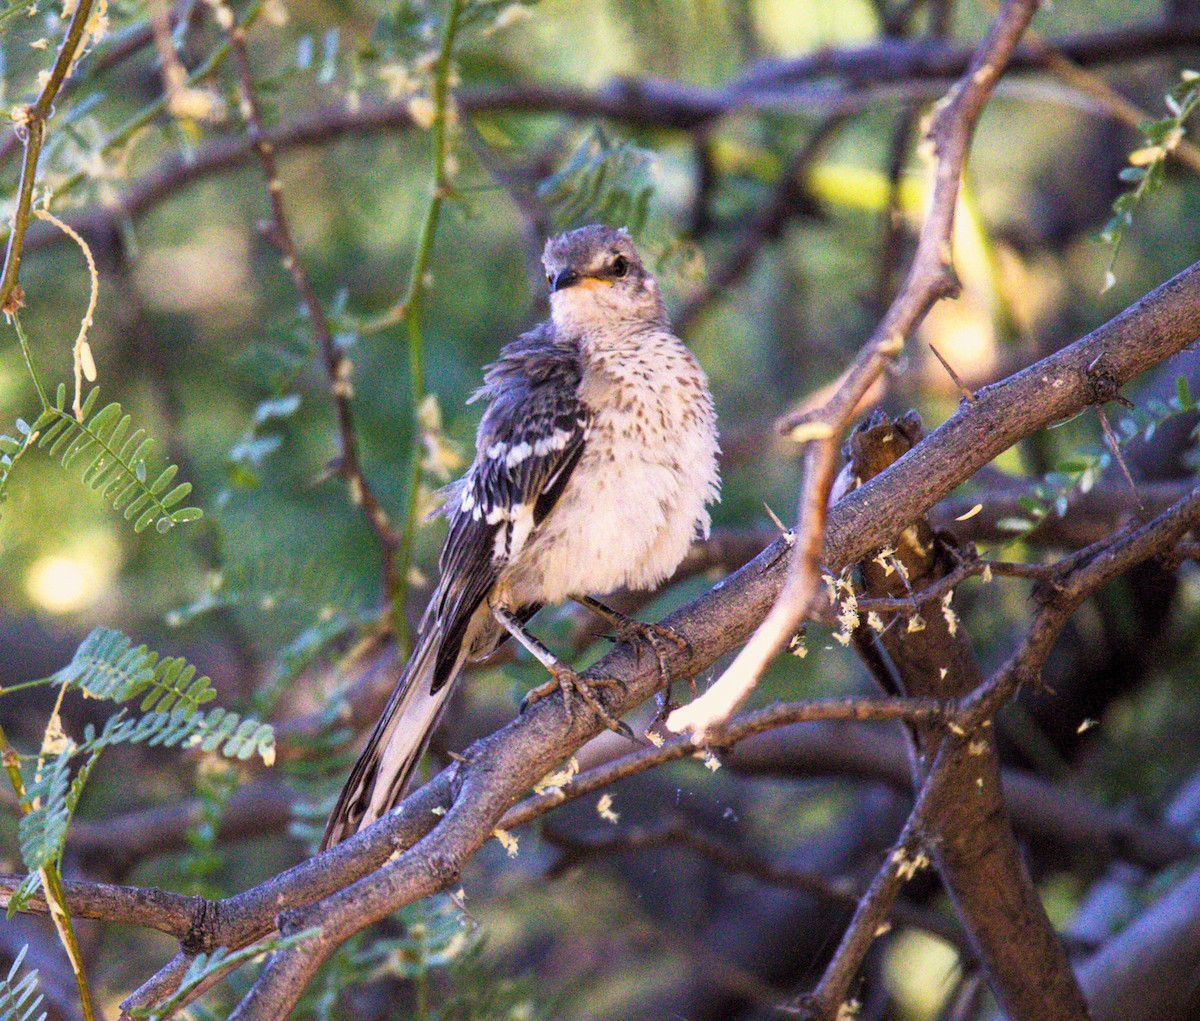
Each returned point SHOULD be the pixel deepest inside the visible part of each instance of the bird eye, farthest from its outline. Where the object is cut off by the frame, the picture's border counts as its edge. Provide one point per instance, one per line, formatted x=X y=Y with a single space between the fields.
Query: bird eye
x=620 y=266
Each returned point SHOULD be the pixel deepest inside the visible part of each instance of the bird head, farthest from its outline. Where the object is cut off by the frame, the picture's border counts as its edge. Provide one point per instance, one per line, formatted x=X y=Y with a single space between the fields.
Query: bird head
x=597 y=280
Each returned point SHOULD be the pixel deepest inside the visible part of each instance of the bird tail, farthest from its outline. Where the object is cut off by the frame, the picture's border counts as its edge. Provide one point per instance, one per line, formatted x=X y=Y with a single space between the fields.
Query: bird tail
x=383 y=769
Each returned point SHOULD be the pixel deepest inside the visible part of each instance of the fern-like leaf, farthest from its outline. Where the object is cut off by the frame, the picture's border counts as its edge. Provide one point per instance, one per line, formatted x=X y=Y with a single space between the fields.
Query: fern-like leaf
x=234 y=736
x=107 y=665
x=17 y=999
x=112 y=456
x=274 y=583
x=43 y=830
x=606 y=180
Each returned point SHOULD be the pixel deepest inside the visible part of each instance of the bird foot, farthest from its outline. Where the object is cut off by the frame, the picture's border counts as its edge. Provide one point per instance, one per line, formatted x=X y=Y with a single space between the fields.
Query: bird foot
x=658 y=637
x=567 y=681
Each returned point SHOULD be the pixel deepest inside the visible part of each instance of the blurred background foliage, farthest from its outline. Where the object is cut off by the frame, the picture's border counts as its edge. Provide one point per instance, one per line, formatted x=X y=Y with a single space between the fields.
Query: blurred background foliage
x=200 y=334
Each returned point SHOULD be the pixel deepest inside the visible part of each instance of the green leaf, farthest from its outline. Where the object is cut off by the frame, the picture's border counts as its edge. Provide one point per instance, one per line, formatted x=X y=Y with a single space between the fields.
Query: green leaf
x=277 y=407
x=17 y=999
x=111 y=460
x=42 y=832
x=271 y=583
x=604 y=180
x=1032 y=505
x=107 y=666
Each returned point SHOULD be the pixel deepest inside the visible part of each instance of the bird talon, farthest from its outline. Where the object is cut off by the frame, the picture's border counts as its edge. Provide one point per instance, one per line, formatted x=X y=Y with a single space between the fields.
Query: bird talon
x=534 y=695
x=571 y=684
x=656 y=636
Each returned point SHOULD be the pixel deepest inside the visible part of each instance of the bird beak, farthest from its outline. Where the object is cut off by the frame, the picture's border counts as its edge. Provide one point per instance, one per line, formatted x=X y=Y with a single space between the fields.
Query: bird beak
x=564 y=278
x=569 y=278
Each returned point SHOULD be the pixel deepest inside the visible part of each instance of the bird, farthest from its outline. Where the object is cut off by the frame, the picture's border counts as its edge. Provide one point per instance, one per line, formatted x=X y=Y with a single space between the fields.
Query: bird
x=596 y=462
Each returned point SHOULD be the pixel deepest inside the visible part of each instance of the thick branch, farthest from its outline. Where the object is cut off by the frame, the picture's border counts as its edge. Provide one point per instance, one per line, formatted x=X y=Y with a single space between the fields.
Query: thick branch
x=503 y=766
x=171 y=913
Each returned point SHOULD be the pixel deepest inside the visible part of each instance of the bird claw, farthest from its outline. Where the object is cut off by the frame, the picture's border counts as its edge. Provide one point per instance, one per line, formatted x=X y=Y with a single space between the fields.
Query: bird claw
x=657 y=636
x=570 y=683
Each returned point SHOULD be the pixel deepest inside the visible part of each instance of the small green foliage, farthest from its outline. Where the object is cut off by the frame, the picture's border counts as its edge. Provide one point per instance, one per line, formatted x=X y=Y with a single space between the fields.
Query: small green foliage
x=300 y=653
x=273 y=583
x=108 y=666
x=11 y=450
x=1146 y=163
x=205 y=966
x=43 y=831
x=255 y=446
x=113 y=461
x=16 y=1003
x=603 y=180
x=1083 y=468
x=213 y=731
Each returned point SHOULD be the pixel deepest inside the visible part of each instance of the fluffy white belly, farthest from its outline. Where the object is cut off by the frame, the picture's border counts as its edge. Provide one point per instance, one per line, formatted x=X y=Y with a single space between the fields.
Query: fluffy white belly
x=634 y=503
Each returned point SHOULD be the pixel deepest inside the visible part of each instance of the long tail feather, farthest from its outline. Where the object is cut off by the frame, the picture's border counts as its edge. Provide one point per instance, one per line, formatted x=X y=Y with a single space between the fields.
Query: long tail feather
x=379 y=776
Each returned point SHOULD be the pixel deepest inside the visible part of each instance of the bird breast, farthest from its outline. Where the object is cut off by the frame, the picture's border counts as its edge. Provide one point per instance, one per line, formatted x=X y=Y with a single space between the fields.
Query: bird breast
x=637 y=498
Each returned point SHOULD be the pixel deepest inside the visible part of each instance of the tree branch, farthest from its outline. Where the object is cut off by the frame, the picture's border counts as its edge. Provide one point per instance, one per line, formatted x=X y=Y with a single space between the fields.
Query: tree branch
x=500 y=768
x=930 y=279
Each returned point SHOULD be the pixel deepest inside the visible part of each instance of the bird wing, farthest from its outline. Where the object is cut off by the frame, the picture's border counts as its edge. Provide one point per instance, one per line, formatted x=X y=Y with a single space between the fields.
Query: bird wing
x=530 y=440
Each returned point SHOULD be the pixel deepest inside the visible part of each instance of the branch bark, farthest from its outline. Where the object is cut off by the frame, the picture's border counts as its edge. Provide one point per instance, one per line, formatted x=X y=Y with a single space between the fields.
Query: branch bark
x=965 y=828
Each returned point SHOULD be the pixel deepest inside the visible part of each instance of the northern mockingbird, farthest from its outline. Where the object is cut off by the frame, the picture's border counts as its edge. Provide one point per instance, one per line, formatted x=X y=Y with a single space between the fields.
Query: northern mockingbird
x=594 y=463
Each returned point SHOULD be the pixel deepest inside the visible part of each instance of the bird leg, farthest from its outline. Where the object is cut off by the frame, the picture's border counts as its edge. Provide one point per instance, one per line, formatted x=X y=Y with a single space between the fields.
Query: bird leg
x=562 y=677
x=626 y=629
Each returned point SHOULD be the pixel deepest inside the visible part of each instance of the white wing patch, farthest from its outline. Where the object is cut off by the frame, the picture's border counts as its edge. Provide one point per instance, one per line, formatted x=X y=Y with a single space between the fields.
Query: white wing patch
x=557 y=440
x=514 y=454
x=517 y=454
x=513 y=534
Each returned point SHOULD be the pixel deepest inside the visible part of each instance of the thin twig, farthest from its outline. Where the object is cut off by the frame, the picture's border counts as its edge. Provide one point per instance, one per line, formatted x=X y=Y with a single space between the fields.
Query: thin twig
x=1092 y=568
x=1114 y=448
x=963 y=389
x=32 y=122
x=930 y=279
x=338 y=367
x=789 y=199
x=870 y=917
